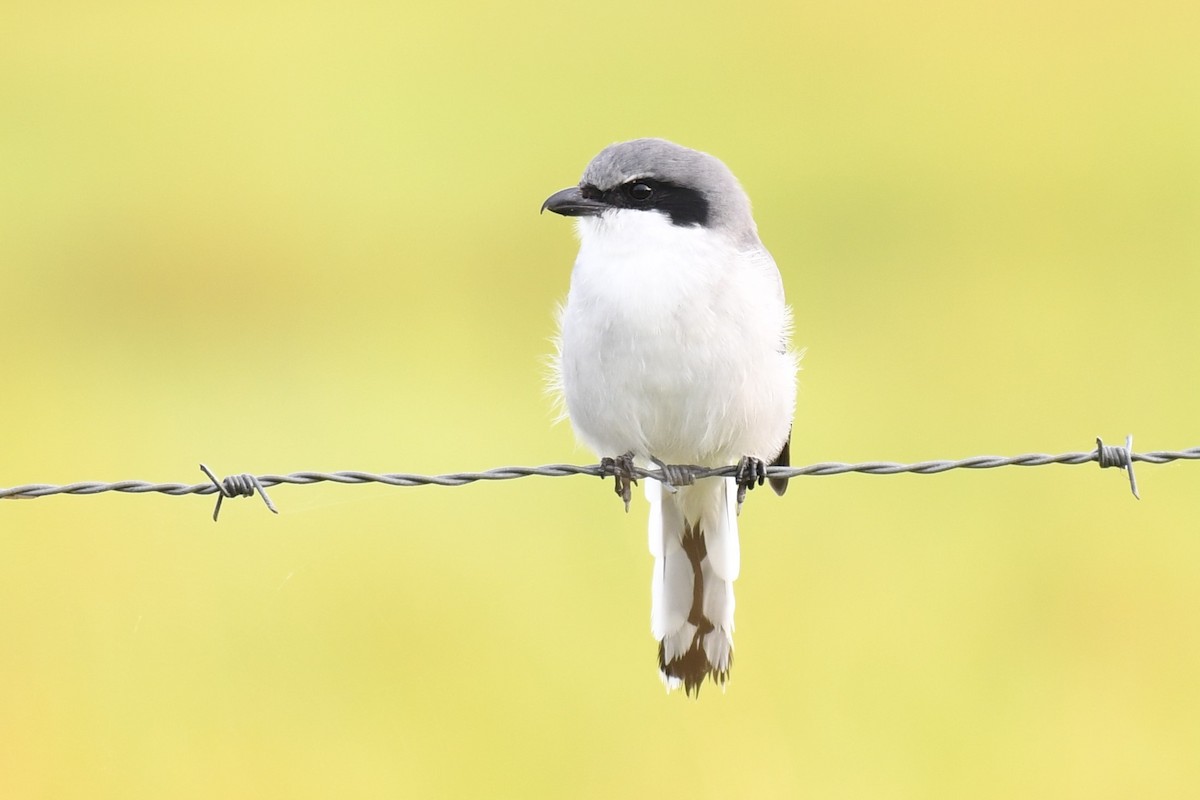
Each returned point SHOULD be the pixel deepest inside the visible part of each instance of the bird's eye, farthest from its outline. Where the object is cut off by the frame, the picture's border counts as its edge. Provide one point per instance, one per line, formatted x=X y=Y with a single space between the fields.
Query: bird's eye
x=641 y=192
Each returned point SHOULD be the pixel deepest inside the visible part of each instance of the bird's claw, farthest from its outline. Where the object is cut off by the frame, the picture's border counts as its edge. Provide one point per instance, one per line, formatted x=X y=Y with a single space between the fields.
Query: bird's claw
x=751 y=472
x=620 y=469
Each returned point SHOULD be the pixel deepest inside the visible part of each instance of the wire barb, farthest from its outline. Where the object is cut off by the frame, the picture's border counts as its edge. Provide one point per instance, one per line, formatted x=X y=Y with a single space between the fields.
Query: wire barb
x=1117 y=456
x=672 y=476
x=244 y=485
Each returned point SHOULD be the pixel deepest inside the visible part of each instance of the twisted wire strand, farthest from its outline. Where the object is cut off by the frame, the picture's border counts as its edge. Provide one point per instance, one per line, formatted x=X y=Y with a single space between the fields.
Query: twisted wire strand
x=247 y=485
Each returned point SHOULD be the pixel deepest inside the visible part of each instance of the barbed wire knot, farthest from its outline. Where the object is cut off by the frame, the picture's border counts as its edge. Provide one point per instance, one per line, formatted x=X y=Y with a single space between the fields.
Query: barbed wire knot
x=1116 y=456
x=244 y=485
x=672 y=476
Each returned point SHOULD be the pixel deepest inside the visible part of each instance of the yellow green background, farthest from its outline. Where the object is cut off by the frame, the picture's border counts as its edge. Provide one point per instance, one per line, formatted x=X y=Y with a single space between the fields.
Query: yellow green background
x=304 y=236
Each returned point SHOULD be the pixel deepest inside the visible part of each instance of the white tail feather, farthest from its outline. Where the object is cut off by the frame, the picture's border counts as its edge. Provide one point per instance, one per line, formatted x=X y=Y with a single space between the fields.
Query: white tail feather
x=694 y=540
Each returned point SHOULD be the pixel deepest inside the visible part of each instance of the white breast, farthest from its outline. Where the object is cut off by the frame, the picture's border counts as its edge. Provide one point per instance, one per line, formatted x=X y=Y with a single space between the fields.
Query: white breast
x=673 y=343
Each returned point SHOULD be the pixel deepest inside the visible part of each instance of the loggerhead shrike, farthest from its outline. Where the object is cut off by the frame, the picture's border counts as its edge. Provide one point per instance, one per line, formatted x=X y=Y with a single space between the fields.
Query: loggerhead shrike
x=673 y=350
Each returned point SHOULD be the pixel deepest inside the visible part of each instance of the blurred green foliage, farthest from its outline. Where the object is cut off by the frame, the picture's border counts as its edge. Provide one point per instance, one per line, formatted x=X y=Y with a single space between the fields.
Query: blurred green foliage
x=277 y=237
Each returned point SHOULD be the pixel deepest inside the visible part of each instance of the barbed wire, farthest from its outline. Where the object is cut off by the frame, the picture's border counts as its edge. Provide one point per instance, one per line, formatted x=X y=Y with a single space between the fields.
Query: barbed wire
x=246 y=485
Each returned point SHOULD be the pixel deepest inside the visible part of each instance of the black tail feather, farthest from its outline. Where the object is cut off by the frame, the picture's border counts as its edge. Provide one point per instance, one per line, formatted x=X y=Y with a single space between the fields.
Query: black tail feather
x=784 y=459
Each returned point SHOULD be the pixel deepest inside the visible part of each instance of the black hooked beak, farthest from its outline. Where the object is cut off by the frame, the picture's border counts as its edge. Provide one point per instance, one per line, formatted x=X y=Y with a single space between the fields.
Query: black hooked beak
x=572 y=203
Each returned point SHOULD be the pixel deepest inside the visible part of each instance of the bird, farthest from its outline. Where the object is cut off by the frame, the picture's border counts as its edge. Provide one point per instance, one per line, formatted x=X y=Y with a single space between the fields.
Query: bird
x=673 y=350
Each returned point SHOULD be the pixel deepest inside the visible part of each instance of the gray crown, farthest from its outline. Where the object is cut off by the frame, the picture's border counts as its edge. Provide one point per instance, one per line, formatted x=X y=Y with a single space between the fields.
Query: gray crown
x=661 y=160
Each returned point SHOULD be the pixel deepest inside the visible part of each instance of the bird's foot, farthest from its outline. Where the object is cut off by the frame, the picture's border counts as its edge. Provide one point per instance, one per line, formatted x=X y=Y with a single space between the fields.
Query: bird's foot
x=751 y=472
x=620 y=469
